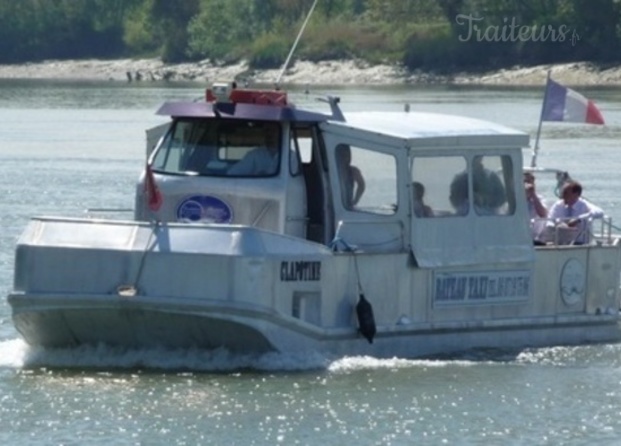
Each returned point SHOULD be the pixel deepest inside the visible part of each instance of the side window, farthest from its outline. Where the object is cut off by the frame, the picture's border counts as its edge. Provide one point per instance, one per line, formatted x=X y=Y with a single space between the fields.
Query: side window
x=439 y=186
x=368 y=180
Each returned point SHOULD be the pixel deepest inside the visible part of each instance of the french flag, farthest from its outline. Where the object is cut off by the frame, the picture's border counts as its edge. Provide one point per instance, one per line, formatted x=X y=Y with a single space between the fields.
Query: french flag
x=564 y=104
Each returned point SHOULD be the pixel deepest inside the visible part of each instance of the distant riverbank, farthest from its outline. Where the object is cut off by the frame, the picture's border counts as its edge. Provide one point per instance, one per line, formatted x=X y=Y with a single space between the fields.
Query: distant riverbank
x=347 y=72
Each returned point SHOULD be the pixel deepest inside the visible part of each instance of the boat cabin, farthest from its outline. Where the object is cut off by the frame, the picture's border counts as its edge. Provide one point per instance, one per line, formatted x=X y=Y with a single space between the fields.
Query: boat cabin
x=448 y=189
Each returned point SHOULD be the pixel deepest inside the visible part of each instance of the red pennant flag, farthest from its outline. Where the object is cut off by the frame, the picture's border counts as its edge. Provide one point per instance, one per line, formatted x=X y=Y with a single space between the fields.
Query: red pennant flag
x=154 y=196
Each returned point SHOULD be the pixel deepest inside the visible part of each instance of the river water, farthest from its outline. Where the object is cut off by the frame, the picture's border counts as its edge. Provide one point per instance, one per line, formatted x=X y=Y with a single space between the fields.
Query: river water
x=65 y=148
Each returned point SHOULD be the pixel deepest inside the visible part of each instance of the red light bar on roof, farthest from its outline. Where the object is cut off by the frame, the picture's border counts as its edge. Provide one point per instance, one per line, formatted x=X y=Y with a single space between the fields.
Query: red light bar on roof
x=228 y=93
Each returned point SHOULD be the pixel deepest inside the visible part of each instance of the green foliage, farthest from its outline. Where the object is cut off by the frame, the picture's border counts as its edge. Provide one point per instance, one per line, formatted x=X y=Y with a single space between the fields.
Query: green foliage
x=139 y=32
x=423 y=34
x=431 y=48
x=39 y=29
x=599 y=28
x=488 y=32
x=219 y=27
x=269 y=51
x=402 y=12
x=448 y=48
x=339 y=39
x=171 y=20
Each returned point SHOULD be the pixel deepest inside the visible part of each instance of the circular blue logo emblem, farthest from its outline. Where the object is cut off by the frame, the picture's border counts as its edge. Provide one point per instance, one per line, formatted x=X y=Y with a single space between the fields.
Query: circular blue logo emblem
x=204 y=209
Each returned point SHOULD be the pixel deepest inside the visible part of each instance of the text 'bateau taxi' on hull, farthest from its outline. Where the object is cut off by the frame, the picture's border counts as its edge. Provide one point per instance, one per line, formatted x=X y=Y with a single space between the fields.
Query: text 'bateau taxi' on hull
x=263 y=227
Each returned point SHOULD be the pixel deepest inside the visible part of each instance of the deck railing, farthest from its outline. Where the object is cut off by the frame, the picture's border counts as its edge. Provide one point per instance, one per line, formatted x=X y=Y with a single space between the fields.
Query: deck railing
x=591 y=231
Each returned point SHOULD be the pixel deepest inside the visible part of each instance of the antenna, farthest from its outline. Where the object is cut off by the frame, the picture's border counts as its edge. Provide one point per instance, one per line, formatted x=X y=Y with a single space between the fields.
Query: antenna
x=533 y=160
x=295 y=44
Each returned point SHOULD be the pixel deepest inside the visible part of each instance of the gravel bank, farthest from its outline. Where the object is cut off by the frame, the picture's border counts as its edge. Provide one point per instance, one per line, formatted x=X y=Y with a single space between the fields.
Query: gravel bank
x=302 y=73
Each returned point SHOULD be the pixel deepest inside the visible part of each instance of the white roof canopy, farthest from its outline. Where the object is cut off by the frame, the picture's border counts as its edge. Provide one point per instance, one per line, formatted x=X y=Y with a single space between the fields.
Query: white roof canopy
x=416 y=129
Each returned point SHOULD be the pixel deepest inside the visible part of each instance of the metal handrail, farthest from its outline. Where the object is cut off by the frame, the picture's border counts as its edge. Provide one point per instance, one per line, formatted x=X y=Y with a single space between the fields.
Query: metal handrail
x=602 y=236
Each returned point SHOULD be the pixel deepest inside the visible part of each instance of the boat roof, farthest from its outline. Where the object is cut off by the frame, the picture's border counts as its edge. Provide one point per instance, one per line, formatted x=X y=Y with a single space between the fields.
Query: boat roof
x=410 y=129
x=230 y=110
x=424 y=130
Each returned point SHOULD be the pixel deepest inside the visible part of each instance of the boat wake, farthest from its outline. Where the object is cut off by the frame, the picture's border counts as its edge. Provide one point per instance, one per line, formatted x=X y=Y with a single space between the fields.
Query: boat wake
x=15 y=353
x=596 y=355
x=12 y=353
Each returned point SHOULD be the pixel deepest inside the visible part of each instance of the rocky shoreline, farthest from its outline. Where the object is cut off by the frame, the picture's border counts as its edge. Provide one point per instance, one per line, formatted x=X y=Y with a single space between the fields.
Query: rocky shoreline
x=346 y=72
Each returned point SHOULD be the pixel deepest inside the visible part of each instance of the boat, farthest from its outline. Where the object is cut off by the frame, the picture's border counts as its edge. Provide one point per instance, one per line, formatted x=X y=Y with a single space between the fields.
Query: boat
x=322 y=245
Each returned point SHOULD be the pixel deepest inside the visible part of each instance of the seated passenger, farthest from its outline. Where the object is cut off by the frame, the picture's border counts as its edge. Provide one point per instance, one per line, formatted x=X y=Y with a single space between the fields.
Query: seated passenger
x=489 y=191
x=574 y=211
x=260 y=161
x=458 y=194
x=352 y=181
x=420 y=208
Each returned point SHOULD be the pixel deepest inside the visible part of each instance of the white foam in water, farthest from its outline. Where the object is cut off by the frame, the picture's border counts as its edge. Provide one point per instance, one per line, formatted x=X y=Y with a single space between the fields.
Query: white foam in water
x=17 y=353
x=608 y=355
x=12 y=353
x=354 y=363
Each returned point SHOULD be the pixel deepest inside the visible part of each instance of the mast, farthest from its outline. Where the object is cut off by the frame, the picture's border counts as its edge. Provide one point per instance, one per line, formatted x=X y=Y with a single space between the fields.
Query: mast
x=295 y=43
x=533 y=160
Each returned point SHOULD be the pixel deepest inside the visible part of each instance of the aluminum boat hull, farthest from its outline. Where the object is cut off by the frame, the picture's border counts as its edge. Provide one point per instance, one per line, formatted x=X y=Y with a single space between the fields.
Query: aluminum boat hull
x=57 y=321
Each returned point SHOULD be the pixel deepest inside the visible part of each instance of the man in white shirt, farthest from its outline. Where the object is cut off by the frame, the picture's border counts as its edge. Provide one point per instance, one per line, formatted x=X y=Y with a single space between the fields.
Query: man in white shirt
x=575 y=211
x=260 y=161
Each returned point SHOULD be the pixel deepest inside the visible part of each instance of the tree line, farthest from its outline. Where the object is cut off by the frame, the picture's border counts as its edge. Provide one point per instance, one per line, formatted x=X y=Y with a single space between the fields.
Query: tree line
x=436 y=35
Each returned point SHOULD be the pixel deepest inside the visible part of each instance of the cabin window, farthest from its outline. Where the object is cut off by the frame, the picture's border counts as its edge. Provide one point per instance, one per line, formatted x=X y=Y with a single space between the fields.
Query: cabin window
x=220 y=148
x=441 y=186
x=432 y=194
x=367 y=179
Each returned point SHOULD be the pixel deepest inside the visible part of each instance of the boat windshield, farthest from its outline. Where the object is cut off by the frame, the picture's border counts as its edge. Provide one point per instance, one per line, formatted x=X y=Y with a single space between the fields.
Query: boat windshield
x=220 y=148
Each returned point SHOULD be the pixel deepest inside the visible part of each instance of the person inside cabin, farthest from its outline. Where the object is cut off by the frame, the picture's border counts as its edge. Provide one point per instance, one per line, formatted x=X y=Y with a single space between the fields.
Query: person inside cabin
x=537 y=209
x=489 y=192
x=420 y=208
x=352 y=181
x=575 y=212
x=260 y=161
x=458 y=194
